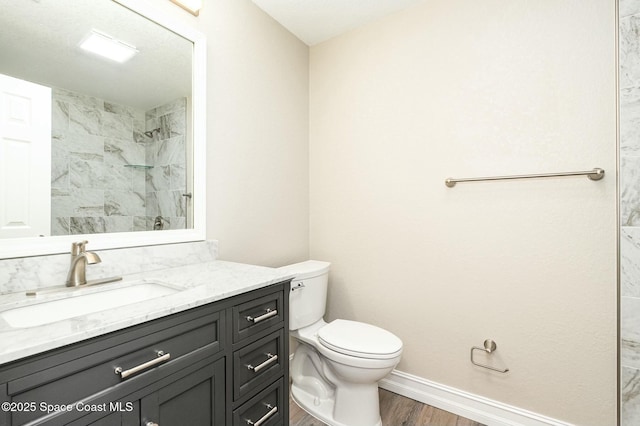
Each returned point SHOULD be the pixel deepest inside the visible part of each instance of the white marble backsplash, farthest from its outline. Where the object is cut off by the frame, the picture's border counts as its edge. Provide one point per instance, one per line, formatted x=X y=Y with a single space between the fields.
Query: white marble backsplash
x=27 y=273
x=198 y=283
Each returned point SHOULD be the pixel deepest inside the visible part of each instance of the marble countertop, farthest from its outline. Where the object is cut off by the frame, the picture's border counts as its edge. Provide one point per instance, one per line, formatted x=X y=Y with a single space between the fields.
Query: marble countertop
x=202 y=283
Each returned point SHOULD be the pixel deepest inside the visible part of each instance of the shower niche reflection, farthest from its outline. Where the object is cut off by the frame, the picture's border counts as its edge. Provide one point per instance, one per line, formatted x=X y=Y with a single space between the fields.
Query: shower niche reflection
x=117 y=168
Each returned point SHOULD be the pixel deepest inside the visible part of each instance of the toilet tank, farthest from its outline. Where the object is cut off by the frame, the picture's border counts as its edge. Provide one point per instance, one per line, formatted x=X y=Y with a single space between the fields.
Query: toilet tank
x=308 y=293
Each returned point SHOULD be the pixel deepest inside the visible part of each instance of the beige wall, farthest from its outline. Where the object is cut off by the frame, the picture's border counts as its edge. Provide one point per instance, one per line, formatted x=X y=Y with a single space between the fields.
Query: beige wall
x=449 y=88
x=465 y=88
x=257 y=131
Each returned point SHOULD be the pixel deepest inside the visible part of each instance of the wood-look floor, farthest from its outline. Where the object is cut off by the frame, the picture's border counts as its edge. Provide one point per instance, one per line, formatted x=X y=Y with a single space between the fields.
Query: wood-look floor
x=395 y=410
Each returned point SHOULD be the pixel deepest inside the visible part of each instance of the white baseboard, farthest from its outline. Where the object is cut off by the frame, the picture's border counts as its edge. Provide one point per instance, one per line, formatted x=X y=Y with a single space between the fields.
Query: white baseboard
x=474 y=407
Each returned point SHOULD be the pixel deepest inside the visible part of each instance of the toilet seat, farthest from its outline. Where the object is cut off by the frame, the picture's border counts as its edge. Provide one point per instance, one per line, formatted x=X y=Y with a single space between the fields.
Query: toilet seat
x=359 y=340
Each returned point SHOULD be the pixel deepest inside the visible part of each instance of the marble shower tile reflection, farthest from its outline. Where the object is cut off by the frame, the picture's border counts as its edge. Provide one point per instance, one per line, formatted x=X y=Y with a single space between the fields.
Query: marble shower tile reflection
x=139 y=127
x=98 y=141
x=59 y=172
x=170 y=203
x=629 y=396
x=140 y=137
x=158 y=178
x=85 y=121
x=178 y=177
x=116 y=126
x=172 y=124
x=118 y=223
x=84 y=173
x=140 y=224
x=61 y=203
x=151 y=122
x=120 y=151
x=150 y=115
x=124 y=203
x=60 y=225
x=166 y=223
x=77 y=98
x=77 y=202
x=151 y=204
x=64 y=144
x=59 y=116
x=165 y=127
x=630 y=261
x=86 y=225
x=178 y=222
x=178 y=104
x=139 y=180
x=179 y=123
x=171 y=151
x=151 y=153
x=124 y=110
x=118 y=177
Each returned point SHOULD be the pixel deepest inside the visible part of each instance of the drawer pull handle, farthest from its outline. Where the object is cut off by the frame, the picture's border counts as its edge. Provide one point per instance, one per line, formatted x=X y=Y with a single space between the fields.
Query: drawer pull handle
x=271 y=358
x=126 y=373
x=272 y=410
x=269 y=313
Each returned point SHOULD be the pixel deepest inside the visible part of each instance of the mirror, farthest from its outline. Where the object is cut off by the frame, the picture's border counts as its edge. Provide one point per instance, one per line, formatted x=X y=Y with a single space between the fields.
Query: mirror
x=92 y=148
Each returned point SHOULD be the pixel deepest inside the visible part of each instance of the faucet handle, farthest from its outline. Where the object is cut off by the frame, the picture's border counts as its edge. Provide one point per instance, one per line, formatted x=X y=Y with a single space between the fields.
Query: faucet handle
x=78 y=247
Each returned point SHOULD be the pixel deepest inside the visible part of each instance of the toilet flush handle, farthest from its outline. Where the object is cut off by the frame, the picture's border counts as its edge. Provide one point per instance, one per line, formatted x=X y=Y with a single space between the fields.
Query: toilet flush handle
x=298 y=286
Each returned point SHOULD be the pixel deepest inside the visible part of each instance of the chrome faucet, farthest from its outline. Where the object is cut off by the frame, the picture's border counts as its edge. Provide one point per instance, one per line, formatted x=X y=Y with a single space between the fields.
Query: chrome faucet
x=79 y=260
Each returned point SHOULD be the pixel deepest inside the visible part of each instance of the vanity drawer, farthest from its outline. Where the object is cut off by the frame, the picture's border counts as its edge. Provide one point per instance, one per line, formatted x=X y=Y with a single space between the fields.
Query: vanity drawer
x=258 y=363
x=68 y=382
x=257 y=315
x=268 y=406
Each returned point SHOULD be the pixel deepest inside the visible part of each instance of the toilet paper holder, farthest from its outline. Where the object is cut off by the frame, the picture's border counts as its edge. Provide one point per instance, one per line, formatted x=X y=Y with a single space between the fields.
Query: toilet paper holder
x=489 y=347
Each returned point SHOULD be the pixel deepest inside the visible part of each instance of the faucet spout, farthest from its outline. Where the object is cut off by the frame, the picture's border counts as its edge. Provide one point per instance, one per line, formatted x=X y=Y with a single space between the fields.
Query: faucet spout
x=80 y=258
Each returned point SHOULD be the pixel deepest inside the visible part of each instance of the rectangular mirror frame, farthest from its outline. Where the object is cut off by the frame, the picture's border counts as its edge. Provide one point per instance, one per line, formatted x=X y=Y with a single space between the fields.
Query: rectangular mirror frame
x=22 y=247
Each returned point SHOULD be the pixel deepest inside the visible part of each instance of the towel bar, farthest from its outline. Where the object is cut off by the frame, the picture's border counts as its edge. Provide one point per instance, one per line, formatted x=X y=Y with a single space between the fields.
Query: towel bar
x=595 y=174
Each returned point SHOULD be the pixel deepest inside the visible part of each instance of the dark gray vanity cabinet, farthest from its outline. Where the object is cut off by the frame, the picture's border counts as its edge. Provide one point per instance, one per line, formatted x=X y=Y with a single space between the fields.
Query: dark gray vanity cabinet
x=219 y=364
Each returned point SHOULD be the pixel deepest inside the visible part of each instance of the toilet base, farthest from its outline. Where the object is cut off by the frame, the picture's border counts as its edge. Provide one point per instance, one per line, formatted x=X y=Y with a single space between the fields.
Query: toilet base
x=321 y=409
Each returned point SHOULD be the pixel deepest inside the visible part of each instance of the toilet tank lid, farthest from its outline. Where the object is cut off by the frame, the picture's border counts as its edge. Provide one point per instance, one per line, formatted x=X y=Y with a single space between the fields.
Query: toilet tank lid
x=307 y=269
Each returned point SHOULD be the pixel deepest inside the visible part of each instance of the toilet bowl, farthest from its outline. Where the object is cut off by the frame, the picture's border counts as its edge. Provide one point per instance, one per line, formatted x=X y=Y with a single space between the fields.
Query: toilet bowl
x=337 y=365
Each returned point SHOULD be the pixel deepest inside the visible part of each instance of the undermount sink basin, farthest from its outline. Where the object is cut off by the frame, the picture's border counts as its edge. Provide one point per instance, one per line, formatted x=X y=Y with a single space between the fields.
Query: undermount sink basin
x=83 y=302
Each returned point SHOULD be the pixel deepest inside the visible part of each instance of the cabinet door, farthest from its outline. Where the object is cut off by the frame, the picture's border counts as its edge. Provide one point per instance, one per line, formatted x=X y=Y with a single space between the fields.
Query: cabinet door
x=113 y=419
x=195 y=399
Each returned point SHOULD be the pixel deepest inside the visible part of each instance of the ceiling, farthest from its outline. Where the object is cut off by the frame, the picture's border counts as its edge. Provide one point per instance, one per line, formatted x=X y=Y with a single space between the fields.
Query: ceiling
x=315 y=21
x=39 y=38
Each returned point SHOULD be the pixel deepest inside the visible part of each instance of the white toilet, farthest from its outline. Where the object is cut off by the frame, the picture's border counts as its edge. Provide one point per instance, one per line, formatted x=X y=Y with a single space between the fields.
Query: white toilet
x=337 y=366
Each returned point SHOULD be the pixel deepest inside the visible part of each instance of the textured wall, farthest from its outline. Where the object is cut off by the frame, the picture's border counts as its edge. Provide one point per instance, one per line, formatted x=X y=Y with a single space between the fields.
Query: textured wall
x=464 y=88
x=257 y=133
